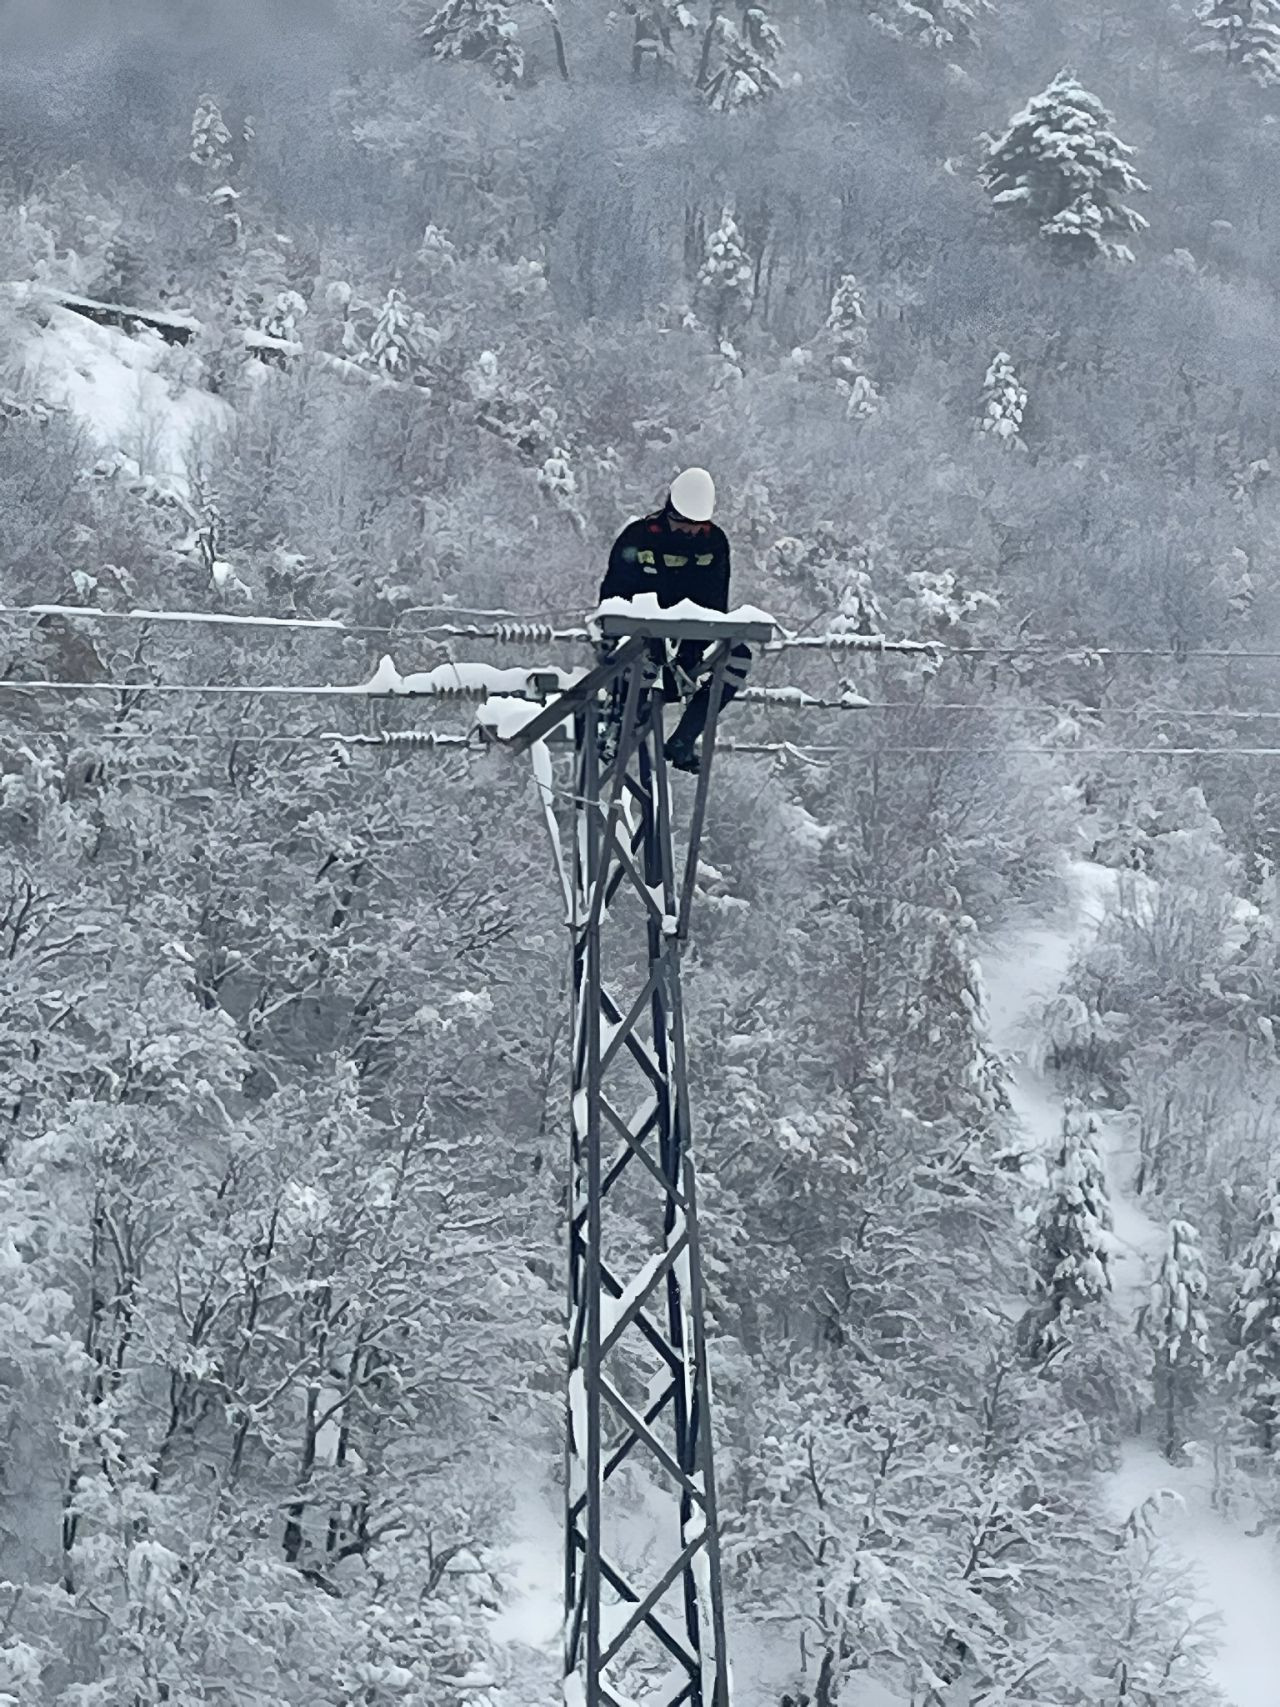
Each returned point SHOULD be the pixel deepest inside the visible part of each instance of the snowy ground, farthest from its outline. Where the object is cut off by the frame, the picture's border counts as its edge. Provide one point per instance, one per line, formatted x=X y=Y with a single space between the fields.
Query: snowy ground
x=112 y=383
x=764 y=1661
x=1237 y=1574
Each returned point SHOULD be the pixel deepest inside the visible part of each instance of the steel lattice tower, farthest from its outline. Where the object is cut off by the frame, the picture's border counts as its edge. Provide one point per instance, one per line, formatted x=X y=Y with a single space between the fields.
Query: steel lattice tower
x=639 y=1397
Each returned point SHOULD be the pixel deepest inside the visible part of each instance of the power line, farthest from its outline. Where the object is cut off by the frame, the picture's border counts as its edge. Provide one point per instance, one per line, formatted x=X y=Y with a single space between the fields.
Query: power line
x=424 y=739
x=1062 y=650
x=411 y=740
x=967 y=752
x=204 y=690
x=784 y=699
x=514 y=627
x=504 y=626
x=778 y=699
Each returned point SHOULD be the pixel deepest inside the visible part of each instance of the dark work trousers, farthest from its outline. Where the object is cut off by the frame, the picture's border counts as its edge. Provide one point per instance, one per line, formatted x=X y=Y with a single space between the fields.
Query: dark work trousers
x=689 y=658
x=694 y=719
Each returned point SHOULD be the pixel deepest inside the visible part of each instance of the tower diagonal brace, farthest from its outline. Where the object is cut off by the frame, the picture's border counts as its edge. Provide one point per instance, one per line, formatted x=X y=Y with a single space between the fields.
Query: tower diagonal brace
x=639 y=1399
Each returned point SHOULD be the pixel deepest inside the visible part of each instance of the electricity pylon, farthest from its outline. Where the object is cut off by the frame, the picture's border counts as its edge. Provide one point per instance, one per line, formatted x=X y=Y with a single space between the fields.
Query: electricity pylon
x=639 y=1426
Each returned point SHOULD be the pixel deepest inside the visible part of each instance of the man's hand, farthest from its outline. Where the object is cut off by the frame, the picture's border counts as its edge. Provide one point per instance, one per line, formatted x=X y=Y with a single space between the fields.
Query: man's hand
x=686 y=685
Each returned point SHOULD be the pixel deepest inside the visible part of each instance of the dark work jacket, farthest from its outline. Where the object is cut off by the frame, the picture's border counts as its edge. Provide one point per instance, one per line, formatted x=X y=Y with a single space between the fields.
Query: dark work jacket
x=651 y=556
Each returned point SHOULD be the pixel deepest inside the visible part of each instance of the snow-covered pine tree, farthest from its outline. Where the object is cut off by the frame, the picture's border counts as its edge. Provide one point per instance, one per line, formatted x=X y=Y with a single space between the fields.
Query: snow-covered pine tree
x=725 y=286
x=1004 y=402
x=1062 y=166
x=739 y=60
x=945 y=1035
x=945 y=25
x=1255 y=1326
x=398 y=341
x=845 y=335
x=1071 y=1246
x=483 y=30
x=225 y=202
x=1177 y=1328
x=435 y=252
x=1246 y=33
x=123 y=271
x=846 y=323
x=210 y=148
x=862 y=398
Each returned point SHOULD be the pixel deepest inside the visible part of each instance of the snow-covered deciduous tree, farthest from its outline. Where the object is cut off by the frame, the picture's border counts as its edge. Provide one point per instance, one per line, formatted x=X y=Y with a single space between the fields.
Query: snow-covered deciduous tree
x=740 y=59
x=1154 y=1645
x=1244 y=33
x=1255 y=1328
x=1061 y=167
x=657 y=27
x=725 y=285
x=511 y=412
x=837 y=570
x=1004 y=401
x=945 y=599
x=1176 y=1327
x=1071 y=1245
x=558 y=481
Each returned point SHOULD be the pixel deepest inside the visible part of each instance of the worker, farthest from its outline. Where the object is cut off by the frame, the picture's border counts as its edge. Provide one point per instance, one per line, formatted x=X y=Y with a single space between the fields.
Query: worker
x=678 y=553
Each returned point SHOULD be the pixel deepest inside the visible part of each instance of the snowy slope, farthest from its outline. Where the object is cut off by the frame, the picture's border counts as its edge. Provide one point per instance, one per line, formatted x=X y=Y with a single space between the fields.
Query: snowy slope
x=1025 y=969
x=1237 y=1573
x=110 y=381
x=532 y=1570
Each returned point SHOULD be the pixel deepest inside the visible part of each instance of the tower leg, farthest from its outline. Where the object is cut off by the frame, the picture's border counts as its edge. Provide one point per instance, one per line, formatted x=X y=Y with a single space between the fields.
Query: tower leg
x=639 y=1432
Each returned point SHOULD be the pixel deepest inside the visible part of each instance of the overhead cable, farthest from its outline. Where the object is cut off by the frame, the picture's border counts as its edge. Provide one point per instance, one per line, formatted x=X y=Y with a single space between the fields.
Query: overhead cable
x=512 y=627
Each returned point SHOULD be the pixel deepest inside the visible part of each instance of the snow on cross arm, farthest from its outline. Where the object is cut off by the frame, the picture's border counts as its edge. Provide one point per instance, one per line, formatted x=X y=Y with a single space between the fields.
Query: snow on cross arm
x=462 y=677
x=645 y=608
x=505 y=715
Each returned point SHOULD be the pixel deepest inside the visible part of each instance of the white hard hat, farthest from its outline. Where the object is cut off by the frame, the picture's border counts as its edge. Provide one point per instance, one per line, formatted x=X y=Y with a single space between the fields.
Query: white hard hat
x=693 y=495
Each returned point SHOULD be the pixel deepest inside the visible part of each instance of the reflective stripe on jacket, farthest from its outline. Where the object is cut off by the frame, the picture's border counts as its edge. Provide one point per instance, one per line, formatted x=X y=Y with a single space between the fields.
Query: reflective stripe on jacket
x=652 y=556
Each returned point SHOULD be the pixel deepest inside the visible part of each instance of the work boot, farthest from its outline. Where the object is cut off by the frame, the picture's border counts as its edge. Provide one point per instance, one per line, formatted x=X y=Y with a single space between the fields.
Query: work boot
x=682 y=756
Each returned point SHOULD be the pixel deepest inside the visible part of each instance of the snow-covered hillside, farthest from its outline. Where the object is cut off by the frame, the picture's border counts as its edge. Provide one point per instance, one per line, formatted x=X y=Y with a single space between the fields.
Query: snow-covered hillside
x=1236 y=1571
x=115 y=384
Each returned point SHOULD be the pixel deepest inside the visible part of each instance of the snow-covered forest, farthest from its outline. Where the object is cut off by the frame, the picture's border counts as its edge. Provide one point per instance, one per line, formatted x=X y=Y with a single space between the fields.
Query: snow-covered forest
x=387 y=315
